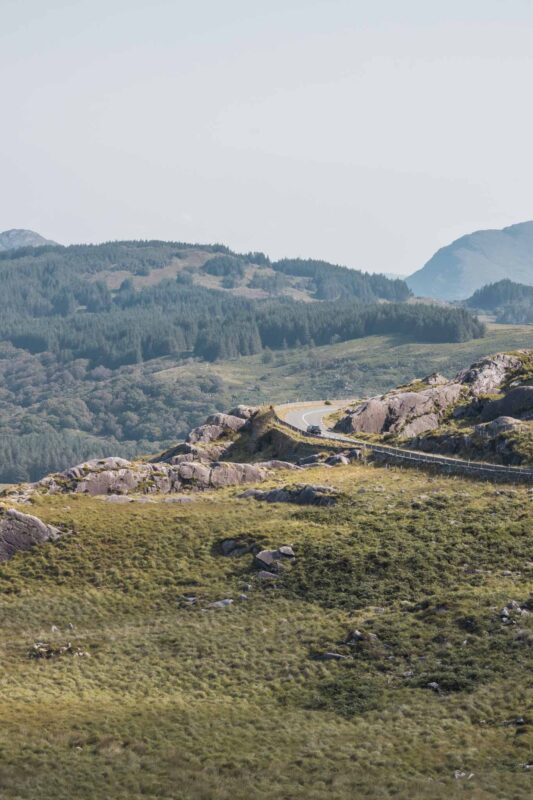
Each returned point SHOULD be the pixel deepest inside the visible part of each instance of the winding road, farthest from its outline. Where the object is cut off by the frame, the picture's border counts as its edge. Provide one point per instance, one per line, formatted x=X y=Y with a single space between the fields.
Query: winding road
x=300 y=415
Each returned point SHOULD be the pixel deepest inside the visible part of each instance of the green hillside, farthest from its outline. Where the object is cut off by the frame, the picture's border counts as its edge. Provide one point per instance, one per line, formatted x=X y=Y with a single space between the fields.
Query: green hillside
x=169 y=698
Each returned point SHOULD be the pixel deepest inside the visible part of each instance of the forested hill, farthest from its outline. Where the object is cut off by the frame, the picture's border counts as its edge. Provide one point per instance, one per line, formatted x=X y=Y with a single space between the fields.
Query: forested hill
x=127 y=302
x=42 y=280
x=508 y=301
x=83 y=328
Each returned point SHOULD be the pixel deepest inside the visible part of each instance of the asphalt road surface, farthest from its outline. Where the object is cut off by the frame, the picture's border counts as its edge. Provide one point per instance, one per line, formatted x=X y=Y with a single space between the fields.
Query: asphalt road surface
x=302 y=415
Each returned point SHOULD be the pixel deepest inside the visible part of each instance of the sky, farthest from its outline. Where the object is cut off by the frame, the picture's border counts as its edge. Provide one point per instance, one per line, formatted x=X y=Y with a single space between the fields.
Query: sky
x=365 y=132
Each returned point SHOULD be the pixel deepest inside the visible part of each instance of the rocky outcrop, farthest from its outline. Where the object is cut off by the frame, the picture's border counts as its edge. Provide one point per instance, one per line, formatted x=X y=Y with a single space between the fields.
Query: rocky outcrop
x=403 y=413
x=489 y=374
x=215 y=427
x=244 y=412
x=301 y=494
x=20 y=531
x=212 y=440
x=103 y=478
x=116 y=477
x=517 y=402
x=497 y=441
x=423 y=406
x=488 y=430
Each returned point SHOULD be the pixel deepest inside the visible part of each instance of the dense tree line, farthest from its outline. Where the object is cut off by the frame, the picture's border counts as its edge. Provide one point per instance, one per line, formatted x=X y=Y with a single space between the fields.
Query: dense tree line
x=170 y=319
x=496 y=295
x=511 y=302
x=333 y=281
x=51 y=280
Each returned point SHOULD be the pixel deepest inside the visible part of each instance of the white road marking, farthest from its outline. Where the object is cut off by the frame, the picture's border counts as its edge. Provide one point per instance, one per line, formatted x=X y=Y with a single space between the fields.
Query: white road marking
x=321 y=411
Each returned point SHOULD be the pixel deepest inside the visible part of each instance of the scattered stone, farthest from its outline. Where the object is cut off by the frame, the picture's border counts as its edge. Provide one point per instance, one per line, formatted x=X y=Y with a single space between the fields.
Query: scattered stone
x=190 y=600
x=434 y=685
x=287 y=551
x=221 y=603
x=237 y=547
x=46 y=651
x=352 y=637
x=270 y=558
x=460 y=775
x=313 y=459
x=265 y=575
x=301 y=494
x=337 y=460
x=330 y=657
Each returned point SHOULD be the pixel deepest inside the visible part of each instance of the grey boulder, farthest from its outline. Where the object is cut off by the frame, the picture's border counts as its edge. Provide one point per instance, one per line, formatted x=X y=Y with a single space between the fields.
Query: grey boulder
x=20 y=531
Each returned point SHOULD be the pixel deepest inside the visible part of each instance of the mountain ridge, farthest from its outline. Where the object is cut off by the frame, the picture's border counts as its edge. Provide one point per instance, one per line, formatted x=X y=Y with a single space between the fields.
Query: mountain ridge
x=457 y=270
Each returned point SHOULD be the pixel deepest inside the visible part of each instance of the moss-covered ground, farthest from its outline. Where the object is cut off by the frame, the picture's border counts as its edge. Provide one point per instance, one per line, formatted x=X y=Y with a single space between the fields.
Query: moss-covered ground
x=178 y=700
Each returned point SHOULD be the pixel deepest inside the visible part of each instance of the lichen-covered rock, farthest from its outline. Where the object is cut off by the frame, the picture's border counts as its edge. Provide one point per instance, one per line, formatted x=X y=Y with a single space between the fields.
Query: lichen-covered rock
x=488 y=374
x=96 y=478
x=415 y=409
x=435 y=379
x=517 y=402
x=245 y=412
x=301 y=494
x=20 y=531
x=227 y=421
x=205 y=434
x=404 y=413
x=216 y=426
x=273 y=559
x=496 y=426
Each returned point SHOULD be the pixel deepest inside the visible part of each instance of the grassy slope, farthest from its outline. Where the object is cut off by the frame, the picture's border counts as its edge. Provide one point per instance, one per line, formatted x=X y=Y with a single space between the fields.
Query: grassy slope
x=180 y=702
x=360 y=367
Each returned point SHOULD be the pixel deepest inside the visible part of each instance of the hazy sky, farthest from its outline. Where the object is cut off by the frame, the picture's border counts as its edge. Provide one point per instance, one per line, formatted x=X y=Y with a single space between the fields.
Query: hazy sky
x=365 y=132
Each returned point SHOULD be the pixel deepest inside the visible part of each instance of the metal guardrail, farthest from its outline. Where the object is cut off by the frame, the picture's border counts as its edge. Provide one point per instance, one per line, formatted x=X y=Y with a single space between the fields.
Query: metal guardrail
x=518 y=474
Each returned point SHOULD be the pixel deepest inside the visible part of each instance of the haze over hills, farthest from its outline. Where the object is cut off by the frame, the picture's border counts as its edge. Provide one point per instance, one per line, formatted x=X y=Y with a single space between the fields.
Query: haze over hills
x=16 y=238
x=474 y=260
x=100 y=320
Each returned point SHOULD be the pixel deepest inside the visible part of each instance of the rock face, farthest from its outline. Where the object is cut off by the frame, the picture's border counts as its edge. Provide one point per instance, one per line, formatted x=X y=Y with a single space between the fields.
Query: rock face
x=488 y=374
x=216 y=426
x=499 y=425
x=516 y=403
x=301 y=494
x=487 y=441
x=20 y=531
x=404 y=413
x=408 y=413
x=109 y=477
x=244 y=412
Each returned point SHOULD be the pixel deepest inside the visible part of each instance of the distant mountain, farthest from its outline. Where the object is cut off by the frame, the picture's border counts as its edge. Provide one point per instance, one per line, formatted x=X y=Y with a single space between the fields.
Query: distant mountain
x=19 y=237
x=458 y=270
